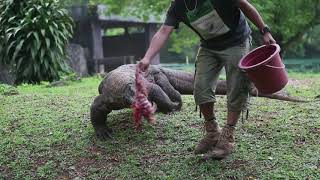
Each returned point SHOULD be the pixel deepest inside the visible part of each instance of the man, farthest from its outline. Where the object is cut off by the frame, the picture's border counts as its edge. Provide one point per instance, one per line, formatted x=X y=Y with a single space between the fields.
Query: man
x=225 y=39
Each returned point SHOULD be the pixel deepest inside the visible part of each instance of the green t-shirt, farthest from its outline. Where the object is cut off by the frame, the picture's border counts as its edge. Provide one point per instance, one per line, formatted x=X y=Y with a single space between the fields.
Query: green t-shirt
x=219 y=23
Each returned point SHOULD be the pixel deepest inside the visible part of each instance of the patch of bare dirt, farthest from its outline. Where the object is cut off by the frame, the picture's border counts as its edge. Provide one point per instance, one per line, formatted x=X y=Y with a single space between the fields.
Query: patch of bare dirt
x=153 y=159
x=300 y=141
x=64 y=176
x=252 y=177
x=40 y=161
x=196 y=125
x=6 y=172
x=96 y=159
x=236 y=164
x=315 y=130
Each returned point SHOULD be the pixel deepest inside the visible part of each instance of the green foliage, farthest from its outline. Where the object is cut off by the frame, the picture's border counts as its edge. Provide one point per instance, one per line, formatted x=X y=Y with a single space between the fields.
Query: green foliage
x=33 y=37
x=114 y=32
x=138 y=8
x=74 y=2
x=290 y=21
x=8 y=90
x=189 y=43
x=312 y=48
x=285 y=16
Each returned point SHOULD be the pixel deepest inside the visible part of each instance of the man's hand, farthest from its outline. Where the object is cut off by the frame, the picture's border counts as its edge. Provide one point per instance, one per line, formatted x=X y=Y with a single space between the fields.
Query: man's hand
x=268 y=39
x=144 y=64
x=254 y=16
x=157 y=42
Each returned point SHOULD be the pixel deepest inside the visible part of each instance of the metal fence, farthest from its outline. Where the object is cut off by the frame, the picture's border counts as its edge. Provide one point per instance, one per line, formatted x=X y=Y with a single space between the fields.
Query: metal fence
x=303 y=65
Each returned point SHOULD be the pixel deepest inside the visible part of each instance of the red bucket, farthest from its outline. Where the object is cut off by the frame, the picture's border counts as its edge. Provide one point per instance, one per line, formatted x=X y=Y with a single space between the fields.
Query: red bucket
x=265 y=69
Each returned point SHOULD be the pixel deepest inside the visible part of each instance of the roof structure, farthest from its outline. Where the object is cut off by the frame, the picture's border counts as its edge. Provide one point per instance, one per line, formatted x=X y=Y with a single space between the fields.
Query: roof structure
x=109 y=50
x=81 y=12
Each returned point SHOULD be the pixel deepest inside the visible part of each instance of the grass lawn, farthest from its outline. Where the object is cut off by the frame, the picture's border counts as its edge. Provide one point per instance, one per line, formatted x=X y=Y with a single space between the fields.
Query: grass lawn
x=46 y=134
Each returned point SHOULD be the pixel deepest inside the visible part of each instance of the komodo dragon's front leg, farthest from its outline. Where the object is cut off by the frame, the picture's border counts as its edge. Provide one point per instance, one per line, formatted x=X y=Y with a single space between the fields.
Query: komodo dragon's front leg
x=164 y=103
x=98 y=114
x=103 y=104
x=165 y=85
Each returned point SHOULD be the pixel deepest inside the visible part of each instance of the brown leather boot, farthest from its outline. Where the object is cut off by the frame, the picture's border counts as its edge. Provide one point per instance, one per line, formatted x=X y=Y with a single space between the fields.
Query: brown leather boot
x=225 y=144
x=213 y=132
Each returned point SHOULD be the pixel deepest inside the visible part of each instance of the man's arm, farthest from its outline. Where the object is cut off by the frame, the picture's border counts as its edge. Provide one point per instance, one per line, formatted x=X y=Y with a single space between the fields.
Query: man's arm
x=156 y=44
x=253 y=15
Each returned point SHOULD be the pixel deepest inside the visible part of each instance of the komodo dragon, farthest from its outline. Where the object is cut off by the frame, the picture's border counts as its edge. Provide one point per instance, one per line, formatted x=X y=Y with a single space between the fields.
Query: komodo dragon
x=165 y=86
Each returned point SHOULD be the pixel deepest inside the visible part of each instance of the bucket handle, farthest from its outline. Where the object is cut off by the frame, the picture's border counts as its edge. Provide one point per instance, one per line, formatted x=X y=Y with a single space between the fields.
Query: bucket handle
x=276 y=67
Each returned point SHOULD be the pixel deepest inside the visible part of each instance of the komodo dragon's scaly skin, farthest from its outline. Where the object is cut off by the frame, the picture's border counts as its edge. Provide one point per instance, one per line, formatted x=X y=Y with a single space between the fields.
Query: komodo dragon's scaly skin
x=164 y=86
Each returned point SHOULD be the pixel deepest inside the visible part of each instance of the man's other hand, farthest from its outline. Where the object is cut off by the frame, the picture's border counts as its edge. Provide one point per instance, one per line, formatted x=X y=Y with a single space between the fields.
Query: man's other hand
x=268 y=39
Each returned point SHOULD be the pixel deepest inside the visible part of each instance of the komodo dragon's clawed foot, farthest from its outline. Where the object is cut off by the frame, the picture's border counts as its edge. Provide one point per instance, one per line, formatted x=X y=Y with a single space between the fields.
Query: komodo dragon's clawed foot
x=103 y=133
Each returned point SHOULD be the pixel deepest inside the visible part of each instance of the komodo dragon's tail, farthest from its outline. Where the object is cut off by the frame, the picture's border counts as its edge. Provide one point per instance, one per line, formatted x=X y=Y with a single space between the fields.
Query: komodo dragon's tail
x=222 y=90
x=284 y=97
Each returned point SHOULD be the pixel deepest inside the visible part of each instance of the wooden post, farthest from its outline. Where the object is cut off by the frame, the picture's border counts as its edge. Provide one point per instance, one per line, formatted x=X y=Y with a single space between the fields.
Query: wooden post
x=101 y=69
x=131 y=60
x=97 y=49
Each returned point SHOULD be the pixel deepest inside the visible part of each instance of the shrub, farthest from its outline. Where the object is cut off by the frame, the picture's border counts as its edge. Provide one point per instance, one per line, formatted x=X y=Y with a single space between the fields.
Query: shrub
x=33 y=36
x=8 y=90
